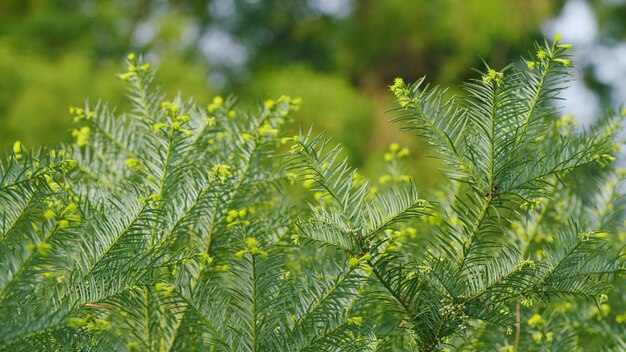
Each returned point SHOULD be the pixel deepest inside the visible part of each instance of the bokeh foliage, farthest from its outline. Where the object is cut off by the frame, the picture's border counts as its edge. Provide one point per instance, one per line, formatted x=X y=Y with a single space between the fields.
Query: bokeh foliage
x=56 y=51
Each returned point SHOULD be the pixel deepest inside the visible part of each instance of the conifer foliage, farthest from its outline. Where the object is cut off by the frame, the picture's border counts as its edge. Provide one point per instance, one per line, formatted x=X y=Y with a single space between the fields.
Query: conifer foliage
x=175 y=227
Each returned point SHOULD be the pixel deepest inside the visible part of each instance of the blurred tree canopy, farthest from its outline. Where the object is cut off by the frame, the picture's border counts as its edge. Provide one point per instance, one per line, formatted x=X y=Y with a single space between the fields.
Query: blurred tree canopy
x=604 y=75
x=339 y=55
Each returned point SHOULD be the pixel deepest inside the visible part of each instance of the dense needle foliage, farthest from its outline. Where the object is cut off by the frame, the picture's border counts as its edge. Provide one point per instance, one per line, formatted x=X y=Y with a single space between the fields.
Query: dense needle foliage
x=175 y=227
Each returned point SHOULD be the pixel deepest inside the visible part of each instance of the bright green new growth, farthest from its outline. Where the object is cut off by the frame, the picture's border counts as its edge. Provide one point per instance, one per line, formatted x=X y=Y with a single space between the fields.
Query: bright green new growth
x=176 y=227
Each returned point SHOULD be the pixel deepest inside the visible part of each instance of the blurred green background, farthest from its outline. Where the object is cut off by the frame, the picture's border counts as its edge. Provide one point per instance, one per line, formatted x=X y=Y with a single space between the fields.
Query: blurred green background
x=338 y=55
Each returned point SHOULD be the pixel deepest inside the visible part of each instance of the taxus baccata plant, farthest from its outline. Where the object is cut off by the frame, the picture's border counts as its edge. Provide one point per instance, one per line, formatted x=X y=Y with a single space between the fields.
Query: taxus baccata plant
x=175 y=227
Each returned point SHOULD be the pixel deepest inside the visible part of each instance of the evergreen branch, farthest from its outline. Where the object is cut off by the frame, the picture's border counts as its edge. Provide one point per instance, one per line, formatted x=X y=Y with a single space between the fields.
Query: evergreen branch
x=398 y=204
x=331 y=173
x=319 y=301
x=22 y=212
x=534 y=102
x=189 y=212
x=438 y=122
x=405 y=306
x=206 y=321
x=99 y=258
x=26 y=263
x=255 y=314
x=582 y=254
x=537 y=223
x=233 y=193
x=473 y=234
x=17 y=341
x=32 y=173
